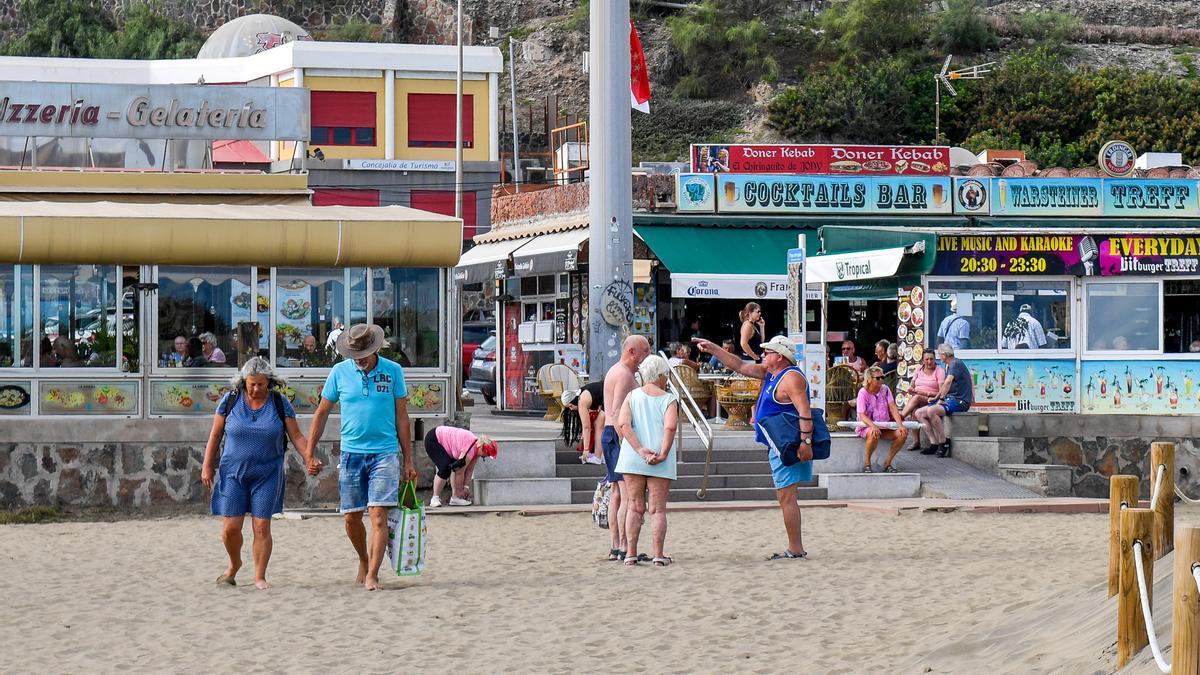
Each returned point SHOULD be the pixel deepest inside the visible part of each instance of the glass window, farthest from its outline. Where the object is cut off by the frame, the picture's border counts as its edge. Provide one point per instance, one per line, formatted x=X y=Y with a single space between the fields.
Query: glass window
x=962 y=314
x=341 y=136
x=196 y=302
x=131 y=303
x=1123 y=316
x=78 y=316
x=320 y=135
x=364 y=136
x=308 y=301
x=16 y=316
x=405 y=302
x=1181 y=321
x=1035 y=314
x=358 y=296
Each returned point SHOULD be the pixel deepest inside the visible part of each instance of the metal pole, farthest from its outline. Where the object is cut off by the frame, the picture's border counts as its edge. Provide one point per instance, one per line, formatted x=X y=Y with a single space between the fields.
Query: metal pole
x=454 y=310
x=937 y=111
x=610 y=256
x=458 y=121
x=512 y=90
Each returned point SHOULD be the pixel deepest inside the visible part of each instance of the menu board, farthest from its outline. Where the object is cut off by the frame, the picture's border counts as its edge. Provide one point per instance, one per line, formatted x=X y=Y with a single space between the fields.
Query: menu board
x=428 y=397
x=294 y=319
x=182 y=397
x=910 y=338
x=645 y=302
x=87 y=397
x=15 y=397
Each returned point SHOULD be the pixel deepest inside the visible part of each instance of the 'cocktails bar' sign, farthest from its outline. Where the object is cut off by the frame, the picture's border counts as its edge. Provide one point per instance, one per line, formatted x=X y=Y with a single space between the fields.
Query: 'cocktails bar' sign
x=783 y=194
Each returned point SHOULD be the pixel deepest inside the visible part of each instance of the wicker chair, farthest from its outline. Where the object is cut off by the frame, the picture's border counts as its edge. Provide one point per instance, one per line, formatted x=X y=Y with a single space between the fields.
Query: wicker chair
x=699 y=389
x=841 y=391
x=553 y=379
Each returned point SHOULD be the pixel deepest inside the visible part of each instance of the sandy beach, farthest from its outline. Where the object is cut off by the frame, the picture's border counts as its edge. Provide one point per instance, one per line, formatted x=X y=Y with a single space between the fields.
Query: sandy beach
x=508 y=593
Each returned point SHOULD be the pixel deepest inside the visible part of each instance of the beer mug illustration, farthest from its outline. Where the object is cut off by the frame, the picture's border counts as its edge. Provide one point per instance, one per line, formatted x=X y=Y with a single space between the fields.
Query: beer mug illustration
x=730 y=192
x=939 y=196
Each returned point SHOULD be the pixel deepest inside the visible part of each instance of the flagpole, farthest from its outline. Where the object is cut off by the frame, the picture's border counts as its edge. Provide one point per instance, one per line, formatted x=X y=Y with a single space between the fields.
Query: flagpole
x=610 y=211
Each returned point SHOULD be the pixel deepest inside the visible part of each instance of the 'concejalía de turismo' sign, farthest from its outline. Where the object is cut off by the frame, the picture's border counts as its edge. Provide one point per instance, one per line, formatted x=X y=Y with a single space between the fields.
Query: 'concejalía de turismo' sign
x=1074 y=254
x=894 y=195
x=186 y=111
x=869 y=160
x=1077 y=197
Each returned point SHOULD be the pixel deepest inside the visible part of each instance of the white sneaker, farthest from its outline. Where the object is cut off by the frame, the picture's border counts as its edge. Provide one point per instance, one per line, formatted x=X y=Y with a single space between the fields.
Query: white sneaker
x=592 y=459
x=455 y=501
x=435 y=501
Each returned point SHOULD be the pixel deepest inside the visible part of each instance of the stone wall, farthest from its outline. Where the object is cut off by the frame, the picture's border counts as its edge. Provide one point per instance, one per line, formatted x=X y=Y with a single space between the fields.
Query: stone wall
x=520 y=209
x=432 y=22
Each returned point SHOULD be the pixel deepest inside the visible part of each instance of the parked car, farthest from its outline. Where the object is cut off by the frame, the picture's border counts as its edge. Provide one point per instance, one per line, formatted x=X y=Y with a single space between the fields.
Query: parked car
x=473 y=334
x=482 y=377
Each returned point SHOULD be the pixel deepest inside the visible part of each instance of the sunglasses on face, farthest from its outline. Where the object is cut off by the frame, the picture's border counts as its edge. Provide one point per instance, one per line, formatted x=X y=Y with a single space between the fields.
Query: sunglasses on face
x=846 y=349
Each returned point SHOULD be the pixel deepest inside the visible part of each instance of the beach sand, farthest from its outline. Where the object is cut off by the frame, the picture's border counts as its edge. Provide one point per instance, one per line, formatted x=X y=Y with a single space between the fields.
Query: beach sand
x=507 y=593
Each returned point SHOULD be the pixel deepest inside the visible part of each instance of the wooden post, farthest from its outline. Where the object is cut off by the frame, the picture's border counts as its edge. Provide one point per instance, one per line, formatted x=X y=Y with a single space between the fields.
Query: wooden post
x=1164 y=510
x=1121 y=490
x=1136 y=525
x=1185 y=635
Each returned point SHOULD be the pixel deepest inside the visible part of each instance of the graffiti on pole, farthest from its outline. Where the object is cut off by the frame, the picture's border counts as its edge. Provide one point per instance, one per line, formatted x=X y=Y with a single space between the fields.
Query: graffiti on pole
x=616 y=304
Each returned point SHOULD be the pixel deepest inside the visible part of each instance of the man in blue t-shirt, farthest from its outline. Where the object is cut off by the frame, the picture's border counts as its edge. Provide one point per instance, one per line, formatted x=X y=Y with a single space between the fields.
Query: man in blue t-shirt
x=374 y=410
x=956 y=395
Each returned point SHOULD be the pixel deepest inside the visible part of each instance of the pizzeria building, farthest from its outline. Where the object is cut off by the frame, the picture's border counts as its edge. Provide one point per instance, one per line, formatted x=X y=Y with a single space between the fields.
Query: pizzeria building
x=140 y=211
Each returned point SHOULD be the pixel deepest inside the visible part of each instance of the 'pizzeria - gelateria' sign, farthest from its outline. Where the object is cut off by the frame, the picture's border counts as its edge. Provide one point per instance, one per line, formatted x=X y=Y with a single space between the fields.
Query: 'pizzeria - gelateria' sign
x=184 y=111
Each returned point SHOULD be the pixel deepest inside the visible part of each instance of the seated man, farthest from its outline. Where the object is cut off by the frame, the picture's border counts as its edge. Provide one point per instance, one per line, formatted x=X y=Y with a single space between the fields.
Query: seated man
x=876 y=404
x=955 y=395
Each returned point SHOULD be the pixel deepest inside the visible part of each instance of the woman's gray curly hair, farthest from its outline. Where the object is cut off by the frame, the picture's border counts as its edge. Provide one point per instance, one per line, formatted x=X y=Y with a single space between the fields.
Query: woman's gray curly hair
x=257 y=366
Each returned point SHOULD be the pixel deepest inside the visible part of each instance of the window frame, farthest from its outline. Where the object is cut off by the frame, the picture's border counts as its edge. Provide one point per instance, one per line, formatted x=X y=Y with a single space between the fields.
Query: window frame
x=1072 y=301
x=1108 y=354
x=931 y=331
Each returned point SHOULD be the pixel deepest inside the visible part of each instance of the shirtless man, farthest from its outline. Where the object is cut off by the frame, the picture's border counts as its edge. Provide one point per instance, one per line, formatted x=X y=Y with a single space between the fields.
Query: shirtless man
x=618 y=382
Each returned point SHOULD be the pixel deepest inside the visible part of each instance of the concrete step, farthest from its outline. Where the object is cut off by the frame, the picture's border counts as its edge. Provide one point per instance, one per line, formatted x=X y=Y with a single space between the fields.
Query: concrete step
x=522 y=491
x=1048 y=480
x=717 y=494
x=519 y=459
x=963 y=425
x=685 y=469
x=870 y=485
x=988 y=452
x=693 y=482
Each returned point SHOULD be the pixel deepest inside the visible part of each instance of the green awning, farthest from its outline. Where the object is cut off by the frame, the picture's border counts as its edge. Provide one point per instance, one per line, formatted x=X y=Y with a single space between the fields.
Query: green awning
x=688 y=249
x=871 y=289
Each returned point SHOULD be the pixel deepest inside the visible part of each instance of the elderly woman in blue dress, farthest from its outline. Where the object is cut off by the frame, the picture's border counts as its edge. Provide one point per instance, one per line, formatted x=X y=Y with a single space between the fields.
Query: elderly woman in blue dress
x=646 y=424
x=253 y=419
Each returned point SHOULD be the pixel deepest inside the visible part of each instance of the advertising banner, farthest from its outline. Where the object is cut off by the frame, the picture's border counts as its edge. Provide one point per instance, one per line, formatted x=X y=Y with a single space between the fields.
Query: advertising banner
x=880 y=160
x=897 y=196
x=1074 y=254
x=696 y=193
x=1108 y=197
x=119 y=397
x=1140 y=387
x=729 y=286
x=1023 y=385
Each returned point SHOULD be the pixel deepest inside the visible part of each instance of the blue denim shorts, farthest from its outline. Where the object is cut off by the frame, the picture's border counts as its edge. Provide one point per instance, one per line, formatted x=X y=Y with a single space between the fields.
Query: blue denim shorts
x=368 y=479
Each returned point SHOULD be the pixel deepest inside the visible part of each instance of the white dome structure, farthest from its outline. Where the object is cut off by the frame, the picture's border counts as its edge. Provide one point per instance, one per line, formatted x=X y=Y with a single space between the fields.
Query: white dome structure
x=250 y=34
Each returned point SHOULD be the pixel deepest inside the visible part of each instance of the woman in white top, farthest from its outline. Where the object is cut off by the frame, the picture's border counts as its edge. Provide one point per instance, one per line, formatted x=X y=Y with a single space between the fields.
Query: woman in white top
x=646 y=425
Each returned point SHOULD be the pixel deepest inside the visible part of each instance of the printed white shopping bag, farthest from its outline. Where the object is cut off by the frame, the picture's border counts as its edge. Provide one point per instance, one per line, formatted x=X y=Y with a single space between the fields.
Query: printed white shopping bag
x=406 y=533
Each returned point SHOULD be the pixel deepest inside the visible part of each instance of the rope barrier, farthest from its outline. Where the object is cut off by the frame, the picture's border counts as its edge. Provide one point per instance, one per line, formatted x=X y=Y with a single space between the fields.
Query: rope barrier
x=1159 y=660
x=1184 y=498
x=1162 y=468
x=1196 y=575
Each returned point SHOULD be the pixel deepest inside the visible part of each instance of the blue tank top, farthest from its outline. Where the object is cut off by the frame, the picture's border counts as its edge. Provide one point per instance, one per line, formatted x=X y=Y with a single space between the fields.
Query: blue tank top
x=767 y=405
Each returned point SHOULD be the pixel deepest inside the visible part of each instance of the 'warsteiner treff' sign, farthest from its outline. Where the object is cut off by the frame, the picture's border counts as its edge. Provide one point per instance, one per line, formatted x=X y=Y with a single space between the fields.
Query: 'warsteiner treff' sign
x=871 y=160
x=49 y=109
x=1074 y=254
x=828 y=194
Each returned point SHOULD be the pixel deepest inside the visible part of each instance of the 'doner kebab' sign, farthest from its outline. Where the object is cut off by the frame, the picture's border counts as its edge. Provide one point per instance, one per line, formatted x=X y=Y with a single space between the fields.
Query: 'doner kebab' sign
x=186 y=111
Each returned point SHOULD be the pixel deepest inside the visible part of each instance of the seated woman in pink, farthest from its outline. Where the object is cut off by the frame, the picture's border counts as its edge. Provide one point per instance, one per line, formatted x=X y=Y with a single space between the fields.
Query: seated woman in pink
x=454 y=453
x=876 y=404
x=926 y=383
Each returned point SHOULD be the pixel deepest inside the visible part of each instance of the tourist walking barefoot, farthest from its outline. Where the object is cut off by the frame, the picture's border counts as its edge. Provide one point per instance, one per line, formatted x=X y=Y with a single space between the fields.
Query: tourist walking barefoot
x=784 y=387
x=618 y=382
x=254 y=421
x=374 y=410
x=647 y=425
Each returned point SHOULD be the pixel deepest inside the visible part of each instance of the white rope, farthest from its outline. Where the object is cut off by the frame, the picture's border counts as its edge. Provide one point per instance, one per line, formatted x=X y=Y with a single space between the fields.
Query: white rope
x=1158 y=479
x=1186 y=499
x=1159 y=660
x=1196 y=574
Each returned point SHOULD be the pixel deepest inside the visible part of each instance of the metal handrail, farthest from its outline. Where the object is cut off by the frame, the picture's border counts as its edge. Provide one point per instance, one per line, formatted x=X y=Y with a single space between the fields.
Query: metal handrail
x=699 y=422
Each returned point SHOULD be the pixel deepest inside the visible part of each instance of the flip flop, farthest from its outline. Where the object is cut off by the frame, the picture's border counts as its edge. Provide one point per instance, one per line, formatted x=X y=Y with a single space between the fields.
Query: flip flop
x=226 y=580
x=615 y=554
x=867 y=468
x=788 y=555
x=662 y=561
x=890 y=469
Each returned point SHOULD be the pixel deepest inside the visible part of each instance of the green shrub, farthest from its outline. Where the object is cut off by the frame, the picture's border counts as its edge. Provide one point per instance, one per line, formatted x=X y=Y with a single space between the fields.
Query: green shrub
x=31 y=515
x=353 y=30
x=674 y=124
x=862 y=30
x=724 y=51
x=963 y=27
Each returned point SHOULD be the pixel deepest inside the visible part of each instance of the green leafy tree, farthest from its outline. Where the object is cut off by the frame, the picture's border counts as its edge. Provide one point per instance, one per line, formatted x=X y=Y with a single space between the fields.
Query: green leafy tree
x=62 y=28
x=147 y=32
x=353 y=30
x=1048 y=30
x=724 y=48
x=963 y=27
x=862 y=30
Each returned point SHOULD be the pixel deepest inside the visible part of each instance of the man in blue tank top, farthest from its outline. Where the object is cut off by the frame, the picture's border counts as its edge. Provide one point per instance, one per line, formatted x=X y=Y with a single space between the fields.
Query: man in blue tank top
x=784 y=388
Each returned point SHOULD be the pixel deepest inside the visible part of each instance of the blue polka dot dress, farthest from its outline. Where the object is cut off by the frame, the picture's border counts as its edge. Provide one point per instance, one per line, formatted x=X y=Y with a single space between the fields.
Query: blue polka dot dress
x=250 y=478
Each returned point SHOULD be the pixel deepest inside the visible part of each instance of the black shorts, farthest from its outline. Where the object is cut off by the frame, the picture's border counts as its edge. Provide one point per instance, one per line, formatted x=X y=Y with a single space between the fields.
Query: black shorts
x=437 y=453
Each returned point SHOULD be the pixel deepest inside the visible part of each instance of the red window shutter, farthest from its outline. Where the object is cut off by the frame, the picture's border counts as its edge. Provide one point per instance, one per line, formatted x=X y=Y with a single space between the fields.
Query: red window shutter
x=439 y=201
x=339 y=197
x=431 y=119
x=344 y=109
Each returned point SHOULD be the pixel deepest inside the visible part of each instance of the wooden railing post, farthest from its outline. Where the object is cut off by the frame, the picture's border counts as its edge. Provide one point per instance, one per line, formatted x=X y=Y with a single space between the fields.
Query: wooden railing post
x=1136 y=525
x=1121 y=490
x=1164 y=510
x=1185 y=624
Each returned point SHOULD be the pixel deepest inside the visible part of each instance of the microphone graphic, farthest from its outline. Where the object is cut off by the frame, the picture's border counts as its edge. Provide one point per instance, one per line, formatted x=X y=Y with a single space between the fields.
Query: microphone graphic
x=1088 y=252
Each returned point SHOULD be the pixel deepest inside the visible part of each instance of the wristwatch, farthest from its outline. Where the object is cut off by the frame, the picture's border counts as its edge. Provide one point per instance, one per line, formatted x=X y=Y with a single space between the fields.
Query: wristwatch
x=805 y=440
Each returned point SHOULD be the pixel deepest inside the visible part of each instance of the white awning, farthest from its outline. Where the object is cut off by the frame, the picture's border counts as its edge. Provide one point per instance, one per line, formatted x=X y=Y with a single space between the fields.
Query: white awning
x=550 y=253
x=734 y=286
x=854 y=266
x=486 y=262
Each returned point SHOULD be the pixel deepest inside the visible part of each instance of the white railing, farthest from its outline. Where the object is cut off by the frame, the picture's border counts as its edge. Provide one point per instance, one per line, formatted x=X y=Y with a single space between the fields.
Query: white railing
x=698 y=420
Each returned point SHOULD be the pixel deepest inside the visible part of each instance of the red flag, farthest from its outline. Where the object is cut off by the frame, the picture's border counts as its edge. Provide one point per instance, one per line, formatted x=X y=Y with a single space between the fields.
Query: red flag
x=639 y=78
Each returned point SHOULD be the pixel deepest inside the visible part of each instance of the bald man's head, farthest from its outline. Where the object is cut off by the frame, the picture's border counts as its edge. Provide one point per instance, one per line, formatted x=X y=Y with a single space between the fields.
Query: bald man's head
x=635 y=349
